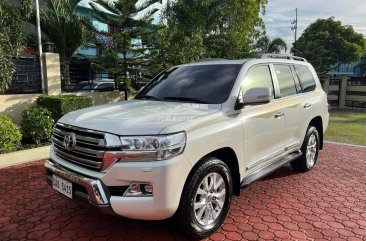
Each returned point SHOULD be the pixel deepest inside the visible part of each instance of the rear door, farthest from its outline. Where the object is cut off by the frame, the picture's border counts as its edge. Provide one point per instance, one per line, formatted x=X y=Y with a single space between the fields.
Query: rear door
x=289 y=88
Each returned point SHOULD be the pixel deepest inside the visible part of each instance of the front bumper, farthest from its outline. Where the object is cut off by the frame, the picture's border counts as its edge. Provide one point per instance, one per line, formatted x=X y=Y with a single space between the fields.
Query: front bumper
x=95 y=194
x=167 y=177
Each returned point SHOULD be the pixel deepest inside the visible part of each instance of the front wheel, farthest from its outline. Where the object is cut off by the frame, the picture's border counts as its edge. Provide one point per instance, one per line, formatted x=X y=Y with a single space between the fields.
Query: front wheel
x=310 y=150
x=205 y=199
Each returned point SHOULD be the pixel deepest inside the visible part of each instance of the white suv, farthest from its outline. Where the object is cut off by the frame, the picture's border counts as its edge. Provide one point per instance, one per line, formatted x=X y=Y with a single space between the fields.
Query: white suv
x=190 y=139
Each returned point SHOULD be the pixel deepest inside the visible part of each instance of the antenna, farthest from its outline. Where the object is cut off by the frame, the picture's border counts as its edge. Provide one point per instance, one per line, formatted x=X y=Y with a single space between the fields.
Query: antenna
x=294 y=22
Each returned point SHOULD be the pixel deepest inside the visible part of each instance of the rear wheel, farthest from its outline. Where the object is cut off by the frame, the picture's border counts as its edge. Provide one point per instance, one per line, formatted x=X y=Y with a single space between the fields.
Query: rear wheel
x=205 y=199
x=310 y=150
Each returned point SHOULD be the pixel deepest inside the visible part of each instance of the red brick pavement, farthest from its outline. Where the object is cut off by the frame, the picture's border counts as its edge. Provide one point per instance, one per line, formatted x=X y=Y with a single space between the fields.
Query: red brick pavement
x=327 y=203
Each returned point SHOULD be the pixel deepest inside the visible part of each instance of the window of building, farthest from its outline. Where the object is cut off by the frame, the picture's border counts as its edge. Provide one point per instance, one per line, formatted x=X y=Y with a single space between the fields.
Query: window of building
x=306 y=78
x=285 y=79
x=113 y=29
x=257 y=77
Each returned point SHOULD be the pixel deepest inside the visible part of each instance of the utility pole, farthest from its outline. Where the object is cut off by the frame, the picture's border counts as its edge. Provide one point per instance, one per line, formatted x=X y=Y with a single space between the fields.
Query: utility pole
x=294 y=27
x=40 y=46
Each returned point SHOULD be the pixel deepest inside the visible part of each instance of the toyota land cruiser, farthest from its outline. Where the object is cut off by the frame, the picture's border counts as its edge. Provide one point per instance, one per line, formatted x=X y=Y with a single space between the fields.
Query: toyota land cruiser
x=190 y=139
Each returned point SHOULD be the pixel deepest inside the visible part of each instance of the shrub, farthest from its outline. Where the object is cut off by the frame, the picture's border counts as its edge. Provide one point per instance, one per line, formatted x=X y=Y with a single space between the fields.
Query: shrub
x=10 y=135
x=36 y=124
x=60 y=105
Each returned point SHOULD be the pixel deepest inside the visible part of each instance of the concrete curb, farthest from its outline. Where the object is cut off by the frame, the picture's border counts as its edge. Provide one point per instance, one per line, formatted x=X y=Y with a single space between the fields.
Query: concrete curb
x=18 y=157
x=344 y=144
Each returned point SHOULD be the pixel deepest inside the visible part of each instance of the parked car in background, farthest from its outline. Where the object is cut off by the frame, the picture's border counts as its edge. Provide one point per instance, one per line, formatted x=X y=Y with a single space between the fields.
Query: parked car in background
x=94 y=86
x=190 y=139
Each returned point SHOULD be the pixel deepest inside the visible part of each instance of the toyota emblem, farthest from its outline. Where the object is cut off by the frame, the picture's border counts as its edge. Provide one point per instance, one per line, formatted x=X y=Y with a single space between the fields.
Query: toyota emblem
x=70 y=141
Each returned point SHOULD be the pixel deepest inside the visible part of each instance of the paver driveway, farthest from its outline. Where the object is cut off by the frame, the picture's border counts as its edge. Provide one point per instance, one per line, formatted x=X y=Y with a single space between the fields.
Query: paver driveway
x=326 y=203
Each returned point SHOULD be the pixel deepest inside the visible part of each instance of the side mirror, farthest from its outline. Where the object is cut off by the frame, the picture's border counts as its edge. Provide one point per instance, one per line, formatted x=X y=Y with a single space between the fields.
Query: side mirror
x=253 y=96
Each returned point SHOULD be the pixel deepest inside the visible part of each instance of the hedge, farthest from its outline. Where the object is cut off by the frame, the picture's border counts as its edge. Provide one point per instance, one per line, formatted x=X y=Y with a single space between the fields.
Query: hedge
x=36 y=124
x=60 y=105
x=10 y=135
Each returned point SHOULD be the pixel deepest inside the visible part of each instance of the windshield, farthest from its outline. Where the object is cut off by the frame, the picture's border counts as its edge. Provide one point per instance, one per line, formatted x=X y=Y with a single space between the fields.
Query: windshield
x=210 y=84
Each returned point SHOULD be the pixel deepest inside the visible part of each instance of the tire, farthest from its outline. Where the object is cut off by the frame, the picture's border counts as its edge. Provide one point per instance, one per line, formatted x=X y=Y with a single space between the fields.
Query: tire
x=310 y=151
x=197 y=223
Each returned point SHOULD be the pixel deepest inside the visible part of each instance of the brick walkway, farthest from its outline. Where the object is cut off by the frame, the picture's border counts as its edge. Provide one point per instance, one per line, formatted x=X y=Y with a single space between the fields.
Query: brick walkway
x=326 y=203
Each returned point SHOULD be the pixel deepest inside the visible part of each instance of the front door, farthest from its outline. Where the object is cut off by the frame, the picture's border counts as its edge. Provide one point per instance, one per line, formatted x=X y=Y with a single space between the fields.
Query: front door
x=263 y=123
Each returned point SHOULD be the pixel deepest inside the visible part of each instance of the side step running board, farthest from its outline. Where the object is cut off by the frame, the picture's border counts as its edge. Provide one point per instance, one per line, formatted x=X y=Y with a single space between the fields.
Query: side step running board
x=273 y=166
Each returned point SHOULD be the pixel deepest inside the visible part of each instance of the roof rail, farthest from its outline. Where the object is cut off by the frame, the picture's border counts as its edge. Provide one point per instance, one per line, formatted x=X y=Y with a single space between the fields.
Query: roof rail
x=282 y=56
x=209 y=59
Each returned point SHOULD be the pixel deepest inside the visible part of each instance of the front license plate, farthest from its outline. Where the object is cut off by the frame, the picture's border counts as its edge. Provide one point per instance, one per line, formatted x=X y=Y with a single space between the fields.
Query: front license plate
x=62 y=186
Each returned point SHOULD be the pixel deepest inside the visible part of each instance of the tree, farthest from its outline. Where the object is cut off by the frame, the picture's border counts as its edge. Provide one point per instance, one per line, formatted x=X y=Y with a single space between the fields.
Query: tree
x=272 y=46
x=12 y=37
x=327 y=45
x=214 y=28
x=66 y=29
x=131 y=24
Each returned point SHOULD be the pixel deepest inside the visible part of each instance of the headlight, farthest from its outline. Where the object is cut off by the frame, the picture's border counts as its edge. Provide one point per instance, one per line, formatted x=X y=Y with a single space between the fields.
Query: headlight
x=161 y=147
x=146 y=148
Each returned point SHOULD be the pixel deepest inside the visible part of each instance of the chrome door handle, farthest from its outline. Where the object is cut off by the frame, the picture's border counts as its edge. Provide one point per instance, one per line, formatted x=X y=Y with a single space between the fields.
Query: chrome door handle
x=307 y=105
x=279 y=115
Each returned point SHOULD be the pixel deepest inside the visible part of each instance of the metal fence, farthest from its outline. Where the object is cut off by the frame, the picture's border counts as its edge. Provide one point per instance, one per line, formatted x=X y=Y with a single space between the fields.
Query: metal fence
x=82 y=78
x=27 y=77
x=357 y=81
x=356 y=104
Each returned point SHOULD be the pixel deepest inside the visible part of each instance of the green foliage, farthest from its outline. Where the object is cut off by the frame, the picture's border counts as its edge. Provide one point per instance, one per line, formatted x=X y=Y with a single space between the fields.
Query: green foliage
x=326 y=44
x=211 y=29
x=12 y=37
x=66 y=29
x=36 y=124
x=130 y=37
x=59 y=105
x=10 y=135
x=272 y=46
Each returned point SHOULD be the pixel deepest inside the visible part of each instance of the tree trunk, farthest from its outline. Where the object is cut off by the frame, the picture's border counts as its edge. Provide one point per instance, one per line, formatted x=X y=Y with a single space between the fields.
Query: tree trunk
x=125 y=63
x=125 y=74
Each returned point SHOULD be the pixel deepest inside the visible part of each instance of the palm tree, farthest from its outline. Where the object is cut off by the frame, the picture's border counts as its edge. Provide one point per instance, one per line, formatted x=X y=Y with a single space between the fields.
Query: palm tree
x=271 y=46
x=66 y=29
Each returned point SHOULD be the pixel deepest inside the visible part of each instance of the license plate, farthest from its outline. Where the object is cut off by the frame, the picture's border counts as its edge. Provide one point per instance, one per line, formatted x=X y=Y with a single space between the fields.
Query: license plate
x=62 y=186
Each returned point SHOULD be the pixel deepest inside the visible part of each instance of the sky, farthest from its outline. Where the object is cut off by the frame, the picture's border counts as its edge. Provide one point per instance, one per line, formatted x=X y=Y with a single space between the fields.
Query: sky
x=280 y=14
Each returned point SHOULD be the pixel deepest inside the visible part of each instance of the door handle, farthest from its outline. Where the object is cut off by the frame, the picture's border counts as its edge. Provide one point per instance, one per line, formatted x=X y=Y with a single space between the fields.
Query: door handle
x=307 y=105
x=279 y=115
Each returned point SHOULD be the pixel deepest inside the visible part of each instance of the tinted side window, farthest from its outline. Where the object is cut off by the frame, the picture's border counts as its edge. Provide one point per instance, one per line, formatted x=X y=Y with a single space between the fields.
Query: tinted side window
x=306 y=78
x=285 y=80
x=258 y=76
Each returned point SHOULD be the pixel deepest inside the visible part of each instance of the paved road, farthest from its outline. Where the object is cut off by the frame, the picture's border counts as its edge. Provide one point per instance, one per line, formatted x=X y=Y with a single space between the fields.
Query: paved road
x=327 y=203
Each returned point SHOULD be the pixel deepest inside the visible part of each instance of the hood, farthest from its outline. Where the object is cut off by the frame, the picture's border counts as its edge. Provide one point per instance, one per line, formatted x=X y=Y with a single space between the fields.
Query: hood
x=137 y=117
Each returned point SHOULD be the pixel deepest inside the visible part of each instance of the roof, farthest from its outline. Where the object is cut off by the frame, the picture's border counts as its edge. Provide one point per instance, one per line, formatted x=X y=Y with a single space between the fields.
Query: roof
x=219 y=61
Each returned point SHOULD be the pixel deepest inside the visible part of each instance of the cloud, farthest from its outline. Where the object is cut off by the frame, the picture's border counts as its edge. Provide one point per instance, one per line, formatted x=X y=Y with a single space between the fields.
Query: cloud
x=280 y=14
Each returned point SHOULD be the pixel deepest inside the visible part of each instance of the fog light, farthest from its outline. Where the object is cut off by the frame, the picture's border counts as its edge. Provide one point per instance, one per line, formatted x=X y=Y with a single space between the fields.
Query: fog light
x=139 y=190
x=147 y=188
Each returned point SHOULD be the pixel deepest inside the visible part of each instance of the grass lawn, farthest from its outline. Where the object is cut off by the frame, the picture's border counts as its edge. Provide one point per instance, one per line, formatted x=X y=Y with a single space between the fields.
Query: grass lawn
x=347 y=127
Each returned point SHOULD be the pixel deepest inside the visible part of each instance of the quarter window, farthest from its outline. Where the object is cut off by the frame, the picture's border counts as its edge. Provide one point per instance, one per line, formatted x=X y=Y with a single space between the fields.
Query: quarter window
x=257 y=77
x=306 y=78
x=285 y=80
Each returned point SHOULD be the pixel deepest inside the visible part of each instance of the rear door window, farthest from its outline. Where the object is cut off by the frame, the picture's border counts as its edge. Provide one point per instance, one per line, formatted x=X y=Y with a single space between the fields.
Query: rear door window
x=306 y=78
x=285 y=79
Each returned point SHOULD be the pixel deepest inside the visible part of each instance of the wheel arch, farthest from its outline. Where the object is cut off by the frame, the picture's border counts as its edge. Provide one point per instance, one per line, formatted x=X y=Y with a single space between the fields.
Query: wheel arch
x=227 y=155
x=317 y=122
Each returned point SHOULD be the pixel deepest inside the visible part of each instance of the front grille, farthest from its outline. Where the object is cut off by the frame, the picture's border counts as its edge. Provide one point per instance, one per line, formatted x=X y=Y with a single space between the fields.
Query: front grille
x=88 y=150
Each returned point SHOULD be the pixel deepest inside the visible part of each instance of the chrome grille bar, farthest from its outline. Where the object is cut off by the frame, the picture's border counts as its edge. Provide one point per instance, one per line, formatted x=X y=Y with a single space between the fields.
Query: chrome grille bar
x=88 y=146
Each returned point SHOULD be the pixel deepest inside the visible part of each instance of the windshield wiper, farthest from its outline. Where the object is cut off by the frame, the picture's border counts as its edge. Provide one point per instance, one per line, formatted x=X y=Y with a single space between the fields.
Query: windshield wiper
x=185 y=99
x=147 y=97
